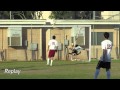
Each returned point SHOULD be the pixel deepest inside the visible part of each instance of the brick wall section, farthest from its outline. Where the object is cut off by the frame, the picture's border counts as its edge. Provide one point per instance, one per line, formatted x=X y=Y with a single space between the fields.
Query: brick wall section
x=21 y=52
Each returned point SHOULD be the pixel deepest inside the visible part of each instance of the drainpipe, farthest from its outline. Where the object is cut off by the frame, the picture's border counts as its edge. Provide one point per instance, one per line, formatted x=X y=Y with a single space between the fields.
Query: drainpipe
x=118 y=32
x=30 y=44
x=40 y=50
x=93 y=15
x=1 y=53
x=2 y=39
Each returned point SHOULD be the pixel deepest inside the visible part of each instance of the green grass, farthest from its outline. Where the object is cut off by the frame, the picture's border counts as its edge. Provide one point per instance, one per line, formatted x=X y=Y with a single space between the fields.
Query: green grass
x=59 y=70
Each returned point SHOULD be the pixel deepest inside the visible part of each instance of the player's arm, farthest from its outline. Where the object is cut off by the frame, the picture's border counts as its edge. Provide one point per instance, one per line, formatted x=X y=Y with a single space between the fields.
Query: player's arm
x=81 y=48
x=104 y=50
x=104 y=54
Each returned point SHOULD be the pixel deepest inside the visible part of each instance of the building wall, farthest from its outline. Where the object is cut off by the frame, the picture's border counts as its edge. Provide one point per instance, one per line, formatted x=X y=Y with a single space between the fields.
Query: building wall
x=23 y=52
x=33 y=35
x=3 y=43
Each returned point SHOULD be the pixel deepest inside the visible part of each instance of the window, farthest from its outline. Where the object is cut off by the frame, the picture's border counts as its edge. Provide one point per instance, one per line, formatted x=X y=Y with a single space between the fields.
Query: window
x=97 y=37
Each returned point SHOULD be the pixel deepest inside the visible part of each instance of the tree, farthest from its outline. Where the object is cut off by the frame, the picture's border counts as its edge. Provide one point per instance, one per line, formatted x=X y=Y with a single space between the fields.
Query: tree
x=23 y=14
x=74 y=15
x=4 y=14
x=19 y=15
x=61 y=15
x=98 y=15
x=54 y=15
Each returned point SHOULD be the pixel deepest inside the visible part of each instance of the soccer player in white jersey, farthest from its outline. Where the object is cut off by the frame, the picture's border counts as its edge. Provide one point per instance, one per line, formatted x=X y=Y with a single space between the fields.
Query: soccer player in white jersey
x=52 y=48
x=105 y=59
x=76 y=50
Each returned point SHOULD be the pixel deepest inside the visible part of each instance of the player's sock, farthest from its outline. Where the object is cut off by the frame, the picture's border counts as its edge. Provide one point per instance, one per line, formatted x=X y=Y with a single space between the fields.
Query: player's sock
x=108 y=74
x=51 y=62
x=96 y=73
x=48 y=61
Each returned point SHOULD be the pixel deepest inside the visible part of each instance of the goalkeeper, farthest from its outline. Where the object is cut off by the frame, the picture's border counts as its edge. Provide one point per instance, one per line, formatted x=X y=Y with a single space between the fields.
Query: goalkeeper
x=76 y=50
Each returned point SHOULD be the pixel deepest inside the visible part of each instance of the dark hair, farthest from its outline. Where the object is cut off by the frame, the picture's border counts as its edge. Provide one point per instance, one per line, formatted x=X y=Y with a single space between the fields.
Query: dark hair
x=54 y=37
x=106 y=35
x=76 y=45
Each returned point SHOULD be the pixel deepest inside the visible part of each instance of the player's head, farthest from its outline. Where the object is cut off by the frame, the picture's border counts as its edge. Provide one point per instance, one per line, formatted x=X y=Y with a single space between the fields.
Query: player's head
x=106 y=35
x=76 y=45
x=54 y=37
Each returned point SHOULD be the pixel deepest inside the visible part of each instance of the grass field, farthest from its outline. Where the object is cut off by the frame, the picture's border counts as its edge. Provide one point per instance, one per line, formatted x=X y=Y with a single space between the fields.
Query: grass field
x=60 y=70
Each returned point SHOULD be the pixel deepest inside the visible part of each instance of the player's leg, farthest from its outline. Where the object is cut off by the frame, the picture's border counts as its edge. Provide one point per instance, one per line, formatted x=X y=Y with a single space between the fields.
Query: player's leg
x=76 y=52
x=97 y=69
x=52 y=57
x=108 y=73
x=96 y=73
x=49 y=55
x=48 y=61
x=51 y=61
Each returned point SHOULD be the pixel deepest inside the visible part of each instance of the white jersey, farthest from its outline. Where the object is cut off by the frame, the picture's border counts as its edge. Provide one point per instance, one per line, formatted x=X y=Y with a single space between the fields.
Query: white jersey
x=78 y=48
x=53 y=44
x=107 y=44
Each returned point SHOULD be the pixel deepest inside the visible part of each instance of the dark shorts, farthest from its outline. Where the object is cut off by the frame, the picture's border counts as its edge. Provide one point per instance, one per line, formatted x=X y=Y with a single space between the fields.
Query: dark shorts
x=74 y=51
x=102 y=64
x=51 y=53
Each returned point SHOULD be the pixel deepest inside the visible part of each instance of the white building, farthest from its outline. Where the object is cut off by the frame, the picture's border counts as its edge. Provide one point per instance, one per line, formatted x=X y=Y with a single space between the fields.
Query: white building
x=111 y=15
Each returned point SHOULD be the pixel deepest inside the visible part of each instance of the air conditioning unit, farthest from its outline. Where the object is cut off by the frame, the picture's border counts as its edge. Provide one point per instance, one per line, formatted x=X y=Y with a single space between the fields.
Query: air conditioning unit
x=33 y=46
x=14 y=36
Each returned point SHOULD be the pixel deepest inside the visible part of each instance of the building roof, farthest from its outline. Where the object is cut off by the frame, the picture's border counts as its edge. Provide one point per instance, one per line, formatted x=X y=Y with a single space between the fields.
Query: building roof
x=43 y=23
